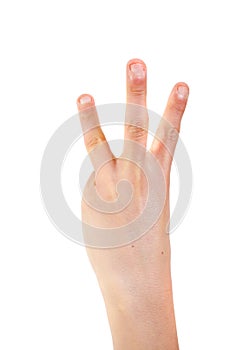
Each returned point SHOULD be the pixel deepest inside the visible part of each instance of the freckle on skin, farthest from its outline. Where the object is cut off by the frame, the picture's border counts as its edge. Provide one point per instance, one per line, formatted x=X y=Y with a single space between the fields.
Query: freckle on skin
x=132 y=246
x=162 y=253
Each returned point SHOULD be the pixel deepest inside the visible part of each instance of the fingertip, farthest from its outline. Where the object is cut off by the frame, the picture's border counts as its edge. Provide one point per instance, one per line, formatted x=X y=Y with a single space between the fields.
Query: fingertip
x=176 y=104
x=182 y=91
x=136 y=71
x=135 y=61
x=85 y=101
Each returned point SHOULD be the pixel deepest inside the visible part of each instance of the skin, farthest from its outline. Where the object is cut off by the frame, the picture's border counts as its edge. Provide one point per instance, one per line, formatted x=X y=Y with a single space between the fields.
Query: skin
x=135 y=279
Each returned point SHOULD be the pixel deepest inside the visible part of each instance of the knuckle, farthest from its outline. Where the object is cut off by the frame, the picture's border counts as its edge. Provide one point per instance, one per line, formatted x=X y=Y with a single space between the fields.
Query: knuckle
x=172 y=135
x=137 y=131
x=167 y=131
x=168 y=135
x=137 y=91
x=92 y=141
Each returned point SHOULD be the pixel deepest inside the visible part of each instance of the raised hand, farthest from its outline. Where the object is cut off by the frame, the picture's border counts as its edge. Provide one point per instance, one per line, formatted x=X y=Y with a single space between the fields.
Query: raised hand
x=133 y=267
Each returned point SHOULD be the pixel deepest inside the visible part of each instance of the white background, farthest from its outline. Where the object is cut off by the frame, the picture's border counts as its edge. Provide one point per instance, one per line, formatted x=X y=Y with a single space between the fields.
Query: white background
x=51 y=52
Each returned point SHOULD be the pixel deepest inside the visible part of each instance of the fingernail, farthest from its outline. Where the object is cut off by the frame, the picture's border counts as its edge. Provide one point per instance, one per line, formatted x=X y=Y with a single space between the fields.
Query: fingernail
x=137 y=71
x=84 y=99
x=182 y=91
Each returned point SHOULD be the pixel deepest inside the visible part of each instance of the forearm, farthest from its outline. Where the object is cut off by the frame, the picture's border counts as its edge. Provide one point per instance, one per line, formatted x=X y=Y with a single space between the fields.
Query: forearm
x=139 y=300
x=143 y=322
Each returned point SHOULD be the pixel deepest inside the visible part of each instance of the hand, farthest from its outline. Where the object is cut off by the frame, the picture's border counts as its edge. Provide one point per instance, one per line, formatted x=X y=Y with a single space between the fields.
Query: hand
x=134 y=278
